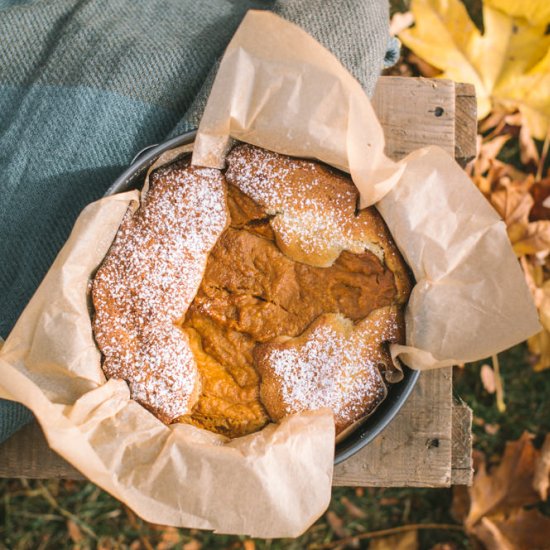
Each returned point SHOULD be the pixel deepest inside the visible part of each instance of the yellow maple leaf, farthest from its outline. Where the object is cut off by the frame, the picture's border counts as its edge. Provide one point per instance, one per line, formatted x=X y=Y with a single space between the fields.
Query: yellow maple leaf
x=530 y=92
x=507 y=64
x=537 y=12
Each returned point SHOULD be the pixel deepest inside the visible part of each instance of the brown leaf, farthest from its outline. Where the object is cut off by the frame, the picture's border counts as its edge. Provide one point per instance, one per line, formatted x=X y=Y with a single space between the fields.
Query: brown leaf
x=336 y=524
x=74 y=531
x=519 y=530
x=487 y=375
x=388 y=501
x=541 y=480
x=507 y=486
x=534 y=239
x=494 y=119
x=513 y=205
x=500 y=171
x=425 y=69
x=461 y=503
x=193 y=544
x=107 y=543
x=353 y=510
x=540 y=346
x=400 y=21
x=528 y=150
x=401 y=541
x=249 y=545
x=169 y=538
x=492 y=429
x=540 y=192
x=488 y=152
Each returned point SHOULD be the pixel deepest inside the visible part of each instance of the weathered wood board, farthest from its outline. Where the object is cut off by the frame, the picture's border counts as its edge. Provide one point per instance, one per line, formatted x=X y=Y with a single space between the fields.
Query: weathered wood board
x=429 y=443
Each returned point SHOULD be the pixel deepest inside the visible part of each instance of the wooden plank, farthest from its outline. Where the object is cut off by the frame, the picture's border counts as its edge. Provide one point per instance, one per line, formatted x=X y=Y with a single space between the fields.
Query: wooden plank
x=27 y=454
x=415 y=450
x=415 y=112
x=429 y=442
x=465 y=123
x=462 y=472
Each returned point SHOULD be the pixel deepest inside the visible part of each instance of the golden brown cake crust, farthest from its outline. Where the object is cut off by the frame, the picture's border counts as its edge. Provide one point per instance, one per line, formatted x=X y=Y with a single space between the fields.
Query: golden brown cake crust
x=334 y=364
x=256 y=290
x=288 y=267
x=149 y=278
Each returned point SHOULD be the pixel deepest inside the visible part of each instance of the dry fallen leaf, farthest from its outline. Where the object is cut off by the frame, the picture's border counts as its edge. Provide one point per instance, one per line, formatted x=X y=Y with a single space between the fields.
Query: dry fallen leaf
x=514 y=203
x=169 y=538
x=487 y=375
x=507 y=486
x=492 y=429
x=519 y=530
x=193 y=544
x=493 y=509
x=541 y=479
x=488 y=152
x=540 y=192
x=509 y=64
x=537 y=12
x=353 y=510
x=401 y=541
x=529 y=154
x=74 y=531
x=539 y=344
x=107 y=543
x=400 y=21
x=337 y=524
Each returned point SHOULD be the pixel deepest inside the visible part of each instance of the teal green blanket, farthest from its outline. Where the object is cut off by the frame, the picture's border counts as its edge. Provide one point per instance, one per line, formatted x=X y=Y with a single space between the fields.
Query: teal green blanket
x=85 y=84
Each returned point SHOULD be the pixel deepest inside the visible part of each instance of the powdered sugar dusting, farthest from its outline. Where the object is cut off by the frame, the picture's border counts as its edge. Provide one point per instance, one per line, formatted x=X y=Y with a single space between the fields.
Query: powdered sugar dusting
x=334 y=365
x=149 y=278
x=309 y=212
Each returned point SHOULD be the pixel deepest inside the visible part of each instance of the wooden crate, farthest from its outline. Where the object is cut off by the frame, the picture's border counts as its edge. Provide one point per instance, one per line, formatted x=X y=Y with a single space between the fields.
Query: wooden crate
x=429 y=443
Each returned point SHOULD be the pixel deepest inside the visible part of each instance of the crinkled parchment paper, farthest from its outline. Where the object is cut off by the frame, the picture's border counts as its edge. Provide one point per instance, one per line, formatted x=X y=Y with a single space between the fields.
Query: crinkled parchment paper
x=279 y=89
x=270 y=484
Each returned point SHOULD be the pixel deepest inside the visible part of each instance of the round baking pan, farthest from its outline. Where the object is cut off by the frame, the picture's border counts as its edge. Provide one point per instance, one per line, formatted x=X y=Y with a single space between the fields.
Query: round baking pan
x=132 y=178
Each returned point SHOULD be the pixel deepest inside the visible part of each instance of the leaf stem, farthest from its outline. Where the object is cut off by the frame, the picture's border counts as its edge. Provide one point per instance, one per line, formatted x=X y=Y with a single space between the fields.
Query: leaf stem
x=501 y=405
x=543 y=155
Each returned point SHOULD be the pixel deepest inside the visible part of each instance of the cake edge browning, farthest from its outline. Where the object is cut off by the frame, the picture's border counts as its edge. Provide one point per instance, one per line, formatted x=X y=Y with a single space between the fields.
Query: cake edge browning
x=333 y=364
x=149 y=277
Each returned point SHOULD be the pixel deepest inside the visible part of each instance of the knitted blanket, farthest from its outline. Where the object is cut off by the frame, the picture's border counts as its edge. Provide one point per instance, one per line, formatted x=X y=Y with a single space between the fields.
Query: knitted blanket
x=85 y=84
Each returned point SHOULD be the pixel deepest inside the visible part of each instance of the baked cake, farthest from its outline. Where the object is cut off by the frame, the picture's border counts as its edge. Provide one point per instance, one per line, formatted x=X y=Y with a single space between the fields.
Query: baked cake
x=232 y=298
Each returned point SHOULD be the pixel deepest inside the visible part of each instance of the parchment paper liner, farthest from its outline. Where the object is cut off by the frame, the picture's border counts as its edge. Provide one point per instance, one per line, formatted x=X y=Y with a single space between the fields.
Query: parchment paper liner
x=276 y=88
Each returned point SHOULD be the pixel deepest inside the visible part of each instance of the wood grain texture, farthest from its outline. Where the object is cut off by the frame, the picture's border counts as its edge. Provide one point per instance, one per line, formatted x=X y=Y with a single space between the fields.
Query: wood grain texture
x=415 y=112
x=465 y=123
x=27 y=454
x=462 y=471
x=416 y=448
x=429 y=443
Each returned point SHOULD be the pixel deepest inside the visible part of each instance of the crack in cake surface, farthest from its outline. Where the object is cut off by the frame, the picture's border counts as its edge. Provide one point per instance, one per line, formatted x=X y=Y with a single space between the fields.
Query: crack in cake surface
x=255 y=293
